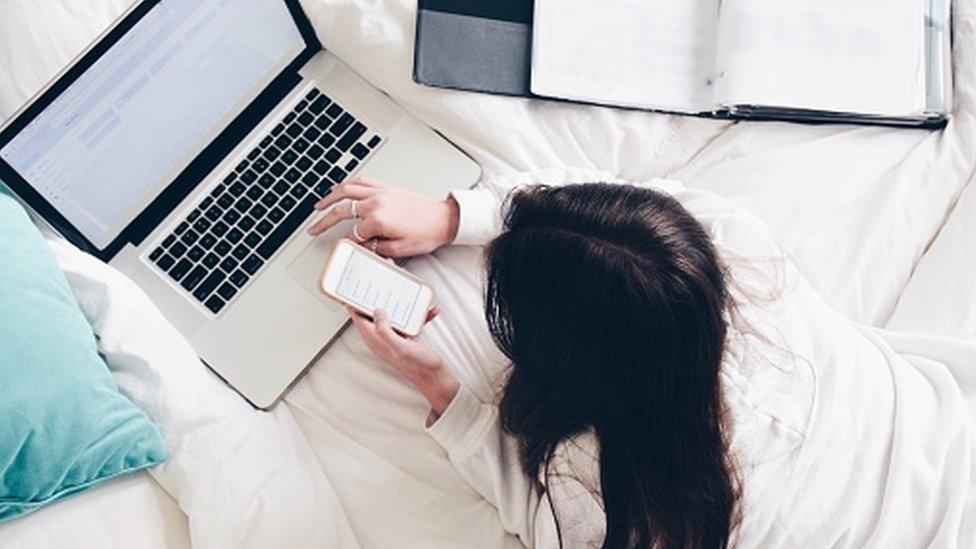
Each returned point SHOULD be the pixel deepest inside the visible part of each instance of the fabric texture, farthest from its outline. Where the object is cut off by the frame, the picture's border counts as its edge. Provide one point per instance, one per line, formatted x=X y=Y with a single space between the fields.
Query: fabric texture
x=65 y=425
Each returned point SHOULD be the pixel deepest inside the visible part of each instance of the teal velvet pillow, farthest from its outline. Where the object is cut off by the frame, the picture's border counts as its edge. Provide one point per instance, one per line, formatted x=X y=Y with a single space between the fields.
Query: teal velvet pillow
x=63 y=424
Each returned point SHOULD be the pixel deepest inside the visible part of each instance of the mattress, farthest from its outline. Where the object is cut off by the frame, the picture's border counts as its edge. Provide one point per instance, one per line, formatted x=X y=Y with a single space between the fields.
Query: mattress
x=869 y=215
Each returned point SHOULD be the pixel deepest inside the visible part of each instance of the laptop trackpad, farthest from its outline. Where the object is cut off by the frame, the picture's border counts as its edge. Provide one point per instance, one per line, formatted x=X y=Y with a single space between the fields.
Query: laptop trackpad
x=307 y=267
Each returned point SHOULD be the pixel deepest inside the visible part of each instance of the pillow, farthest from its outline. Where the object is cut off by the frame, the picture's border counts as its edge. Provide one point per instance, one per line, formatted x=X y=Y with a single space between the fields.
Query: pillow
x=65 y=426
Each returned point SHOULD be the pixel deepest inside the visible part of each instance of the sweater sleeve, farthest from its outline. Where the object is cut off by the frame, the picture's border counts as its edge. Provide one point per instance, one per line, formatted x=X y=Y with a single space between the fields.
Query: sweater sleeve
x=488 y=460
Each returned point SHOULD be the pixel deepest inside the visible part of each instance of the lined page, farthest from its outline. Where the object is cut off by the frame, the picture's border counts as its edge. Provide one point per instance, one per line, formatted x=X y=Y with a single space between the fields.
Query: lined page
x=656 y=54
x=862 y=56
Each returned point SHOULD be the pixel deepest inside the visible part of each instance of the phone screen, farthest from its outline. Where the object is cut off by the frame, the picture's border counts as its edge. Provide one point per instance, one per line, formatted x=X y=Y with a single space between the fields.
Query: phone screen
x=371 y=284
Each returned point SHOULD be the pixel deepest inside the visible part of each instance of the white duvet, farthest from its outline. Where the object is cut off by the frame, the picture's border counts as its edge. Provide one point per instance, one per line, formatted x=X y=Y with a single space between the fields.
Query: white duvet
x=343 y=461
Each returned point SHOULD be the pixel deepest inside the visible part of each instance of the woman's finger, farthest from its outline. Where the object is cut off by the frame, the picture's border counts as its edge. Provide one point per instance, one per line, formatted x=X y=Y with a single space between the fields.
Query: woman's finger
x=365 y=230
x=367 y=182
x=367 y=329
x=432 y=313
x=348 y=189
x=384 y=329
x=341 y=212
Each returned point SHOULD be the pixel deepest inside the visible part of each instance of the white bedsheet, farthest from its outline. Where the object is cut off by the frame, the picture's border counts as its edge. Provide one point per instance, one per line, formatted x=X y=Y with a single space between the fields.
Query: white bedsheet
x=855 y=207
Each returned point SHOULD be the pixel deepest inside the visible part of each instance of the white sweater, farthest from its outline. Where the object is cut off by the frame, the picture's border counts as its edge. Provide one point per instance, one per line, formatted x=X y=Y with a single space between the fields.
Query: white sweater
x=839 y=441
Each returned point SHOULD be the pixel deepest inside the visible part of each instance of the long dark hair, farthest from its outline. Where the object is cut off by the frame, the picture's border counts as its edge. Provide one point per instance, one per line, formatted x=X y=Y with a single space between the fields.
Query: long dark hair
x=609 y=301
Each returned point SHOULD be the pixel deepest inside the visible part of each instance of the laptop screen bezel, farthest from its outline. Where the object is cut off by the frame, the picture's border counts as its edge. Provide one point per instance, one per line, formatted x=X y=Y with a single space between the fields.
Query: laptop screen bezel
x=184 y=183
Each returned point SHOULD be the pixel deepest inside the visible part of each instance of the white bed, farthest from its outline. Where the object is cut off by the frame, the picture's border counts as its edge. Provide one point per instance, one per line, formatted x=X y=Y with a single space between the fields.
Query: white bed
x=869 y=215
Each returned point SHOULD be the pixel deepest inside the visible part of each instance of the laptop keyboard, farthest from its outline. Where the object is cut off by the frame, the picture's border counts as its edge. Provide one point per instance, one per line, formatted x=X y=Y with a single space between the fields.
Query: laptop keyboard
x=218 y=248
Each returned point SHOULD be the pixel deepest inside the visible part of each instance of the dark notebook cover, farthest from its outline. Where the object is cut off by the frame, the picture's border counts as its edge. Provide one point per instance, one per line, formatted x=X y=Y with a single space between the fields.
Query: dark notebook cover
x=477 y=45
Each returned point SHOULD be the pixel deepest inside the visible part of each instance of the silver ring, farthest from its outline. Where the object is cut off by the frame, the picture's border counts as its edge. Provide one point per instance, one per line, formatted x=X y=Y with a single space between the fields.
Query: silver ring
x=355 y=232
x=375 y=244
x=352 y=209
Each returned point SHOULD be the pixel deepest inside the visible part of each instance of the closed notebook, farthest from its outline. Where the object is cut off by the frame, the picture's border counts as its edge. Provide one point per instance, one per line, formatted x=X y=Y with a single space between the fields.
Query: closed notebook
x=873 y=61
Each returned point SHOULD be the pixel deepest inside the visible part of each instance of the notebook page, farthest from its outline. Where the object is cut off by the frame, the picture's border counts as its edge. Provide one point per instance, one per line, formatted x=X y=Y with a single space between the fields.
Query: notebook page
x=863 y=56
x=657 y=54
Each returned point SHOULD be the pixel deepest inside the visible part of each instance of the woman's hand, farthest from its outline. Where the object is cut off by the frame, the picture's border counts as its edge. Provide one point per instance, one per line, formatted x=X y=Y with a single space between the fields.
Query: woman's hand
x=420 y=365
x=404 y=223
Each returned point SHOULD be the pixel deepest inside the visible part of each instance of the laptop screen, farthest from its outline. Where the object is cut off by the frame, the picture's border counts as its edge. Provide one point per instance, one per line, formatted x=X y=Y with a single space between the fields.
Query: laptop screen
x=118 y=135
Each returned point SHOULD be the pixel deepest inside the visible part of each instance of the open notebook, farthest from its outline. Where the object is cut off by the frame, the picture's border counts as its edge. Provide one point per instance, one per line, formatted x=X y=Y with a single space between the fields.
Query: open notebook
x=874 y=61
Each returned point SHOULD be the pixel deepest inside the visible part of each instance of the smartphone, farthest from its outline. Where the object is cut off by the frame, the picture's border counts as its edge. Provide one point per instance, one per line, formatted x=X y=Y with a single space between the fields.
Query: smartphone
x=359 y=278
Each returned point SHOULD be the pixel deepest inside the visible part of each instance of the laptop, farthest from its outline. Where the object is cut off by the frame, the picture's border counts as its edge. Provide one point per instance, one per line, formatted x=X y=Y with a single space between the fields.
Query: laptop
x=187 y=146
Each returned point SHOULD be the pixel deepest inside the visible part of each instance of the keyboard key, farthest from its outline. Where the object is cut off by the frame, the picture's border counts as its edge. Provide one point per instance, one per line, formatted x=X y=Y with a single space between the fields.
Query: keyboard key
x=292 y=175
x=298 y=191
x=225 y=201
x=228 y=264
x=211 y=260
x=312 y=134
x=351 y=137
x=230 y=178
x=271 y=154
x=264 y=227
x=227 y=291
x=252 y=264
x=237 y=189
x=231 y=217
x=258 y=211
x=288 y=118
x=208 y=241
x=303 y=164
x=340 y=126
x=352 y=165
x=327 y=140
x=266 y=181
x=301 y=106
x=305 y=118
x=287 y=203
x=319 y=104
x=266 y=141
x=156 y=254
x=322 y=122
x=214 y=213
x=278 y=168
x=240 y=167
x=165 y=262
x=215 y=304
x=313 y=94
x=315 y=152
x=333 y=155
x=239 y=278
x=300 y=145
x=206 y=203
x=177 y=250
x=195 y=277
x=337 y=175
x=249 y=177
x=280 y=187
x=359 y=151
x=254 y=193
x=219 y=189
x=334 y=110
x=294 y=130
x=190 y=237
x=260 y=165
x=321 y=168
x=208 y=285
x=240 y=252
x=283 y=141
x=201 y=225
x=276 y=215
x=374 y=141
x=181 y=228
x=246 y=223
x=278 y=129
x=220 y=228
x=269 y=200
x=222 y=248
x=252 y=240
x=310 y=179
x=322 y=188
x=180 y=269
x=289 y=157
x=195 y=253
x=253 y=154
x=234 y=236
x=168 y=241
x=244 y=204
x=287 y=228
x=193 y=216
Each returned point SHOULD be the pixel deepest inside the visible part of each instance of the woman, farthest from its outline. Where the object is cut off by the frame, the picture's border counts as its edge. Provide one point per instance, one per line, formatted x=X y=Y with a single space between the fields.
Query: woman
x=673 y=381
x=609 y=301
